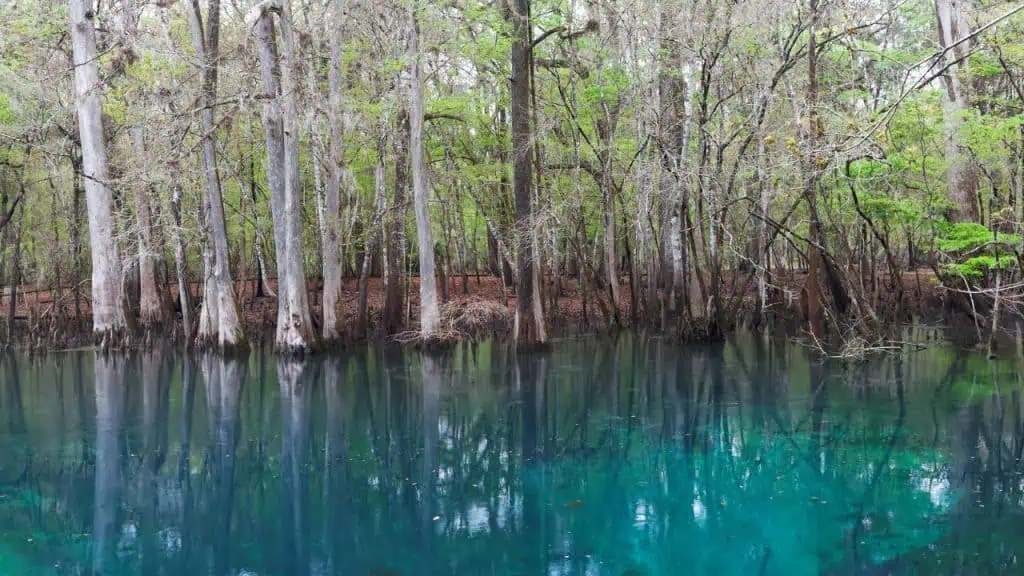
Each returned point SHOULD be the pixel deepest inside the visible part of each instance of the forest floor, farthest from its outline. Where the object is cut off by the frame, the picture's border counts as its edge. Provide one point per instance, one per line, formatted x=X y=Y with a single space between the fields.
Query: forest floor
x=37 y=308
x=479 y=299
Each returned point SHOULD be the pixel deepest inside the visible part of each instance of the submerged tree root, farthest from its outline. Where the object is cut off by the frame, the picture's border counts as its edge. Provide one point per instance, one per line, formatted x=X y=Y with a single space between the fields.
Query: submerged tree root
x=113 y=339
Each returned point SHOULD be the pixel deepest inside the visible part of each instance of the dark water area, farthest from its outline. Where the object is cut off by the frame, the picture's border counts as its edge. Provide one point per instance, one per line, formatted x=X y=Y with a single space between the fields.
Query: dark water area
x=622 y=456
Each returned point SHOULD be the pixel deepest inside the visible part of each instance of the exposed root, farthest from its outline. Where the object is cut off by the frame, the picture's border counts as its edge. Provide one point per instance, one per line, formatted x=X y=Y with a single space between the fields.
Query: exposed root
x=113 y=339
x=478 y=318
x=472 y=320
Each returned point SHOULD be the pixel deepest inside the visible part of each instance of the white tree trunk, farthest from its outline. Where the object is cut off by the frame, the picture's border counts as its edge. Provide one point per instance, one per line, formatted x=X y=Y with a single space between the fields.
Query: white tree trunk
x=336 y=151
x=961 y=177
x=281 y=126
x=219 y=320
x=108 y=307
x=608 y=209
x=273 y=133
x=678 y=263
x=430 y=317
x=297 y=332
x=318 y=184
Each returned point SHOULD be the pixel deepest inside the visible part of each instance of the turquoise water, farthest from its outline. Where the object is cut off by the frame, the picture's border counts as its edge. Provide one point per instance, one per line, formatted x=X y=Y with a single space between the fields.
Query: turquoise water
x=626 y=457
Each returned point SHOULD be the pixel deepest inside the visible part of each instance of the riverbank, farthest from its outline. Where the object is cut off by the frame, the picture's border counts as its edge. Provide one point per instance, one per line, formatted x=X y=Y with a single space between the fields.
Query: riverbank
x=479 y=307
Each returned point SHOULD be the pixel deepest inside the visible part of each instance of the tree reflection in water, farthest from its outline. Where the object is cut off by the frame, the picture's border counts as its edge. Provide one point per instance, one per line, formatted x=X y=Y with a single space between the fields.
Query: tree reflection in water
x=612 y=456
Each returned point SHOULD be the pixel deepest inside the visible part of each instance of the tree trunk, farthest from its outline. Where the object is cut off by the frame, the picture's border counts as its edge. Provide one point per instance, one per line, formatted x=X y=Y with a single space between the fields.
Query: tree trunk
x=76 y=227
x=608 y=211
x=262 y=281
x=529 y=318
x=155 y=313
x=110 y=320
x=538 y=165
x=57 y=286
x=763 y=184
x=14 y=279
x=294 y=334
x=993 y=336
x=394 y=294
x=463 y=246
x=316 y=148
x=645 y=251
x=371 y=240
x=336 y=151
x=180 y=264
x=430 y=317
x=154 y=307
x=220 y=323
x=961 y=176
x=812 y=288
x=667 y=131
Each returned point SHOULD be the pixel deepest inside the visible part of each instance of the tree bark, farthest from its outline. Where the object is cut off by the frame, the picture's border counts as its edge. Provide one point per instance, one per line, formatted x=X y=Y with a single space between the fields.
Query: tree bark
x=332 y=244
x=14 y=280
x=154 y=306
x=961 y=175
x=263 y=282
x=155 y=312
x=180 y=264
x=76 y=226
x=273 y=135
x=608 y=212
x=372 y=234
x=394 y=294
x=430 y=316
x=294 y=334
x=220 y=323
x=529 y=318
x=674 y=128
x=764 y=197
x=110 y=320
x=812 y=287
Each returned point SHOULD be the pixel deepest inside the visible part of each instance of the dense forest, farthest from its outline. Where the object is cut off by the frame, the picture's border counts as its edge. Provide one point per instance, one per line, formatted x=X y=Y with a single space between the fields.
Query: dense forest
x=688 y=166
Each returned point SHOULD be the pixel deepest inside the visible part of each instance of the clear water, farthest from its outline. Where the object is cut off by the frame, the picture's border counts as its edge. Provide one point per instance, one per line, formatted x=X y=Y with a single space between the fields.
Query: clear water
x=624 y=457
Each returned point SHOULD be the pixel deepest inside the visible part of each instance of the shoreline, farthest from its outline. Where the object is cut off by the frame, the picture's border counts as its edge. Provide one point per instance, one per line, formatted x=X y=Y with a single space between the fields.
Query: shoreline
x=475 y=311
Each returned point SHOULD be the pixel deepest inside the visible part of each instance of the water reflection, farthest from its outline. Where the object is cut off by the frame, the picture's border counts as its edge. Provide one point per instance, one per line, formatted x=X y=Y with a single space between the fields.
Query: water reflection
x=618 y=456
x=110 y=392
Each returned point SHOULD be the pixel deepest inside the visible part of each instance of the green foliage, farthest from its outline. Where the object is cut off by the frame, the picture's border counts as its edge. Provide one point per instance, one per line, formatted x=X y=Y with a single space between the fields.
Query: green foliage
x=606 y=88
x=962 y=240
x=6 y=114
x=976 y=267
x=901 y=210
x=969 y=236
